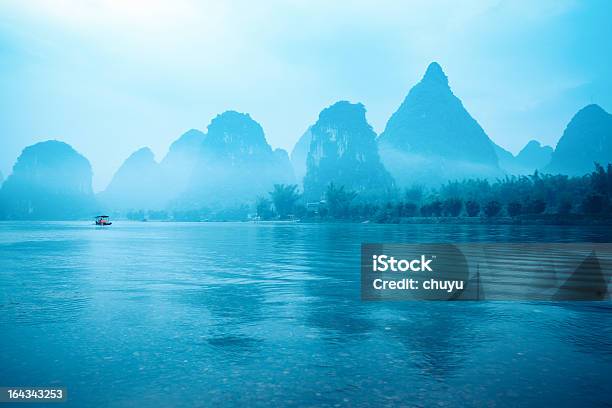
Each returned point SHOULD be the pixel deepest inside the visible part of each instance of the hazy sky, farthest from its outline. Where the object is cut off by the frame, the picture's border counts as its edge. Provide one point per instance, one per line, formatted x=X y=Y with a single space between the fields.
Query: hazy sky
x=111 y=76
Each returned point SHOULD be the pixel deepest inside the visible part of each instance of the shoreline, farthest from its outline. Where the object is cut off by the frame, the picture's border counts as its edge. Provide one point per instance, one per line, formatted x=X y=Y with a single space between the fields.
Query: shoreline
x=551 y=219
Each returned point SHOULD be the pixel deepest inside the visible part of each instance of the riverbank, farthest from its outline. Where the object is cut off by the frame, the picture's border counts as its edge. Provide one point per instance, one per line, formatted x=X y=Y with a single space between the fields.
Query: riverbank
x=541 y=219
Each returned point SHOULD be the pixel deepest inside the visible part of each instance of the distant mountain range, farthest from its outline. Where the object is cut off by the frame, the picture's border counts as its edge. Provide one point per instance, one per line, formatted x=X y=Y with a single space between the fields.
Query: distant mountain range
x=430 y=139
x=432 y=136
x=178 y=165
x=299 y=155
x=235 y=163
x=587 y=139
x=142 y=183
x=50 y=180
x=137 y=184
x=532 y=157
x=230 y=164
x=343 y=151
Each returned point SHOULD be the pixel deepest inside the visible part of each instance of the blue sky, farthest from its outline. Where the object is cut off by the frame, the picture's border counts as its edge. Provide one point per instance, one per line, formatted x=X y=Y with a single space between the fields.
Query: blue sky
x=111 y=76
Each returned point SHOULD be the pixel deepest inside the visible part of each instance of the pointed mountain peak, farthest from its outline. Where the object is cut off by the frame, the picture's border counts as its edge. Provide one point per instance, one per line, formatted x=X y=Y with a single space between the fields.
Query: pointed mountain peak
x=435 y=73
x=433 y=127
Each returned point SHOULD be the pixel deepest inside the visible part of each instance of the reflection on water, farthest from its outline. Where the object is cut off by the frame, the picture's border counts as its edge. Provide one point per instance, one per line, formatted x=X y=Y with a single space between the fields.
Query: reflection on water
x=163 y=314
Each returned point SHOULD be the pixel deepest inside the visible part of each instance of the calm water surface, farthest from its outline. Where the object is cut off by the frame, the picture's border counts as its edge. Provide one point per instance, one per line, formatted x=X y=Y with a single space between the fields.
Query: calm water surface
x=207 y=314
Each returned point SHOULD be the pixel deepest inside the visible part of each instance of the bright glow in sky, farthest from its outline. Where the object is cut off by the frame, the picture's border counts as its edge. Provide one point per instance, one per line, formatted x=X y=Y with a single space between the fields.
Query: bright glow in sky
x=111 y=76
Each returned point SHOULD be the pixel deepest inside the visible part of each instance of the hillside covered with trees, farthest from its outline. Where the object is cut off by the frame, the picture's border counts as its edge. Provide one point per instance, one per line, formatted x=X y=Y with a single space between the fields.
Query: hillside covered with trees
x=539 y=197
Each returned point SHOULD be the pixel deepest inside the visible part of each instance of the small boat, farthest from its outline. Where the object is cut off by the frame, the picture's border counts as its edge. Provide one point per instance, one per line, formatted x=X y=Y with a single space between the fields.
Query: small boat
x=103 y=220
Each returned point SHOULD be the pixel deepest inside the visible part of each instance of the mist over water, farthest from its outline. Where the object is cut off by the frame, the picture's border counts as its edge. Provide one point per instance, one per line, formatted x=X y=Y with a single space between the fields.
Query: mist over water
x=201 y=314
x=224 y=173
x=238 y=158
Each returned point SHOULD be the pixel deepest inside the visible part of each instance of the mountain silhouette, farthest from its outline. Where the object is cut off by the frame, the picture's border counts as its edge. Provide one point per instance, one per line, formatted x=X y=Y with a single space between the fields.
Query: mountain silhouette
x=235 y=163
x=586 y=139
x=433 y=137
x=534 y=156
x=343 y=151
x=505 y=159
x=50 y=181
x=178 y=164
x=299 y=155
x=138 y=184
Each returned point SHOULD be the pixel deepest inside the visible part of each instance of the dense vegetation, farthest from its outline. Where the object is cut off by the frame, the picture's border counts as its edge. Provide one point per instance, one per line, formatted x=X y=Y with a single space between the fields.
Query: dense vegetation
x=556 y=198
x=538 y=195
